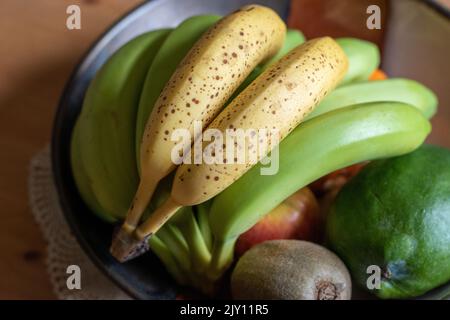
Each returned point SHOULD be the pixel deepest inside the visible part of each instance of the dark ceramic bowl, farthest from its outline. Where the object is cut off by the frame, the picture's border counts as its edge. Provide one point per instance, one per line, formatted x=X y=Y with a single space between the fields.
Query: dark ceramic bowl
x=145 y=277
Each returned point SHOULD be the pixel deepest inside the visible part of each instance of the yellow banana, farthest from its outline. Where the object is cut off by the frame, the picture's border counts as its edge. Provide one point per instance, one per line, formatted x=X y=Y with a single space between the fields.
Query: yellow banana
x=212 y=70
x=280 y=98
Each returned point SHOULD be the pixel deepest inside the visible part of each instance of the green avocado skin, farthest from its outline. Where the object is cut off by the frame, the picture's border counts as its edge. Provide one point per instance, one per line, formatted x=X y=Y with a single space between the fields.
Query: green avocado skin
x=396 y=214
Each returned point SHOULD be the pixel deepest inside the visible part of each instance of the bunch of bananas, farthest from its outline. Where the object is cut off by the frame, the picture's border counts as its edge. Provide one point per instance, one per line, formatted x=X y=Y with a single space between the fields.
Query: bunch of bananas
x=244 y=70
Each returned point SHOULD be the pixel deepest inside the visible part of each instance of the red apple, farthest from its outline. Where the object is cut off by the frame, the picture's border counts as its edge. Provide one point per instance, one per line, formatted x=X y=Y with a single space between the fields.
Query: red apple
x=297 y=217
x=334 y=181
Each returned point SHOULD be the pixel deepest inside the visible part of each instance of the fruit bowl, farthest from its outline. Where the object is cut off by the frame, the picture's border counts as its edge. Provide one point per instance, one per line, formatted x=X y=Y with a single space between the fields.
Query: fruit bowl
x=145 y=277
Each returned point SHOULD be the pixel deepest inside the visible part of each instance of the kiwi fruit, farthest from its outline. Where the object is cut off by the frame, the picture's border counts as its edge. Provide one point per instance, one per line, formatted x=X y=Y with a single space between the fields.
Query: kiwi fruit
x=290 y=270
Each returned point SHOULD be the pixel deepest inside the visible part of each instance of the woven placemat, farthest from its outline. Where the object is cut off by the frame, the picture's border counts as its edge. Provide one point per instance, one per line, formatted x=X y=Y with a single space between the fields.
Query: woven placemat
x=63 y=249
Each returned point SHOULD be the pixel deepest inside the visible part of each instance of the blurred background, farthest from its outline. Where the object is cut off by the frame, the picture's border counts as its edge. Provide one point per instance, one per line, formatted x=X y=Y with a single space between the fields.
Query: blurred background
x=38 y=53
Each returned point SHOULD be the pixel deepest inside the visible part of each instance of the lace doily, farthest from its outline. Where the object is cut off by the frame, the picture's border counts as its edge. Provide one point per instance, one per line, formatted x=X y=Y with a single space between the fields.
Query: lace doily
x=63 y=249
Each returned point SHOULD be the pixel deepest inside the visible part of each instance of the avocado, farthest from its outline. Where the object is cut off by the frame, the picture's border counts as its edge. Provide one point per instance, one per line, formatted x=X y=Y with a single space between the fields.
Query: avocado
x=395 y=215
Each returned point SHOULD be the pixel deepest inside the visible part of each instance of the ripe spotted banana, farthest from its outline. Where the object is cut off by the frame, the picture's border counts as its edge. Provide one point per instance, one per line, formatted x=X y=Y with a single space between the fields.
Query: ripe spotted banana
x=399 y=90
x=212 y=70
x=315 y=148
x=279 y=98
x=195 y=228
x=173 y=50
x=102 y=145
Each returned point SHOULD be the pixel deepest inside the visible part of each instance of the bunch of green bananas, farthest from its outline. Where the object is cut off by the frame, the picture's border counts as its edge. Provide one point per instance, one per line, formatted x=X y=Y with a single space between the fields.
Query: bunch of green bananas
x=351 y=124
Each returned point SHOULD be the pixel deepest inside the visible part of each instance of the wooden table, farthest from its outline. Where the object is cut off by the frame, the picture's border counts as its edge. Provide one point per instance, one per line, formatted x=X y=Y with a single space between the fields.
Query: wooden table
x=37 y=55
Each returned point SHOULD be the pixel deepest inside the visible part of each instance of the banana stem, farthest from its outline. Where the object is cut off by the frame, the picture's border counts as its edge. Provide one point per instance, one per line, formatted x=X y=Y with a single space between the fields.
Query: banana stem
x=200 y=255
x=182 y=243
x=183 y=225
x=222 y=257
x=125 y=245
x=167 y=258
x=158 y=218
x=176 y=243
x=202 y=211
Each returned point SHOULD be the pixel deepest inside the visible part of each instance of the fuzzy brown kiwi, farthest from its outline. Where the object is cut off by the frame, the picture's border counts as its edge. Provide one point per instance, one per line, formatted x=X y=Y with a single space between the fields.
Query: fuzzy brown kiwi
x=290 y=270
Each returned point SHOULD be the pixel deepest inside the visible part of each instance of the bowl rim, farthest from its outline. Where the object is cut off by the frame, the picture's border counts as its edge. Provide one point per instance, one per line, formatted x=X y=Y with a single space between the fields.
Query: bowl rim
x=439 y=7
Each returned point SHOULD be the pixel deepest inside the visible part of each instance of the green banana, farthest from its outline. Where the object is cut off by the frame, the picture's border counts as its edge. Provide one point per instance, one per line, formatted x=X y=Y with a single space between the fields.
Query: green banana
x=82 y=180
x=107 y=121
x=169 y=56
x=317 y=147
x=399 y=90
x=363 y=56
x=114 y=95
x=187 y=224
